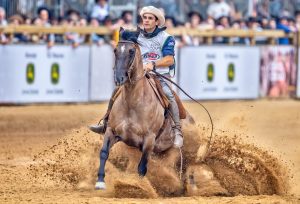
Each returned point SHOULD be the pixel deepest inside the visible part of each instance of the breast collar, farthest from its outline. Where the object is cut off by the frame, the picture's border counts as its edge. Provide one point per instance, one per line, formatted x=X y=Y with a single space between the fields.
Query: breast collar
x=154 y=33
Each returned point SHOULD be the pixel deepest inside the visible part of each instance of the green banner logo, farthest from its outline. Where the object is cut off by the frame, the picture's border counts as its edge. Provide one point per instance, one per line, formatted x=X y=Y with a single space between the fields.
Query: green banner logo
x=55 y=73
x=231 y=72
x=210 y=72
x=30 y=73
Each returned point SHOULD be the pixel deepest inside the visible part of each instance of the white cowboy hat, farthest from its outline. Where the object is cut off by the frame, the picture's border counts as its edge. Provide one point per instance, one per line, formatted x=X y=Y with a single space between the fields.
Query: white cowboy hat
x=156 y=12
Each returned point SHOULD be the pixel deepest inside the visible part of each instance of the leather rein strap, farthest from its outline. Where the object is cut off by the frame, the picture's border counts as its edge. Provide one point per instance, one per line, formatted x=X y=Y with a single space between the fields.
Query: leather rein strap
x=212 y=124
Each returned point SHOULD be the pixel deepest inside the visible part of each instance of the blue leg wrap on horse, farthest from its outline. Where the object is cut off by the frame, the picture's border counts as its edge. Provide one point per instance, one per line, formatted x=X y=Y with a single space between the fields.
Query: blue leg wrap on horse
x=103 y=155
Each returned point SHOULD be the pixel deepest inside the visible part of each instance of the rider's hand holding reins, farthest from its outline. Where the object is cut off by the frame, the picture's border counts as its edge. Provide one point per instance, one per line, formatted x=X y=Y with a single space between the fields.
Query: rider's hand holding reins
x=148 y=67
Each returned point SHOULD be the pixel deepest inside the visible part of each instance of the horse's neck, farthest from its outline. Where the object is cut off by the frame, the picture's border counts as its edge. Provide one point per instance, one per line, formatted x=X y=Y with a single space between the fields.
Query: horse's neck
x=134 y=94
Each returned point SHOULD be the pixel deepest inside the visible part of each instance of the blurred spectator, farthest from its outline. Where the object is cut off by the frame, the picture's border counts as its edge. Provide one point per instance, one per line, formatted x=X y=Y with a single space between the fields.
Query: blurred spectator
x=274 y=8
x=240 y=9
x=3 y=21
x=264 y=22
x=272 y=24
x=236 y=25
x=254 y=24
x=72 y=37
x=73 y=15
x=170 y=7
x=222 y=23
x=170 y=22
x=195 y=20
x=263 y=9
x=100 y=10
x=197 y=5
x=297 y=19
x=292 y=24
x=97 y=39
x=126 y=21
x=44 y=16
x=283 y=24
x=17 y=20
x=44 y=20
x=27 y=20
x=218 y=9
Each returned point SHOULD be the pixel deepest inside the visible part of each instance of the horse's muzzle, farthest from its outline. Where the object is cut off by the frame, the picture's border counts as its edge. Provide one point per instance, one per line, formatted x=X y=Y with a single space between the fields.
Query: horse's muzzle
x=120 y=80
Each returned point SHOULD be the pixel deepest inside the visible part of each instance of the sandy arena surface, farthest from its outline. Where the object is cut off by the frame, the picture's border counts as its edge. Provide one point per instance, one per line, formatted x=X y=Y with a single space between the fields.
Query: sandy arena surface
x=47 y=155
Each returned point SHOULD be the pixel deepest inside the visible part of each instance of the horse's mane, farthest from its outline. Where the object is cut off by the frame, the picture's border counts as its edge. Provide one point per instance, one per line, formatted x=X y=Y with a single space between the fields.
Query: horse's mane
x=130 y=35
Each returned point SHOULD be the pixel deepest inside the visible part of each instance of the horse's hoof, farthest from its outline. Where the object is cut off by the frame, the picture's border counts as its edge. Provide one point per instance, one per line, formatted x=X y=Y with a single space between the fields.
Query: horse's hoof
x=100 y=185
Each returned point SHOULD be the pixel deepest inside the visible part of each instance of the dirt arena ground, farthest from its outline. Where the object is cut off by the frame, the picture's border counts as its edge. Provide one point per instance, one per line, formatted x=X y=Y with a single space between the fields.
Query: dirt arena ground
x=47 y=155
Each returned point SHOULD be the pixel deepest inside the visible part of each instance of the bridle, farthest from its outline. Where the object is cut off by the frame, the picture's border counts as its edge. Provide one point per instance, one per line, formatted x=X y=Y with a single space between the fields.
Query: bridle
x=132 y=66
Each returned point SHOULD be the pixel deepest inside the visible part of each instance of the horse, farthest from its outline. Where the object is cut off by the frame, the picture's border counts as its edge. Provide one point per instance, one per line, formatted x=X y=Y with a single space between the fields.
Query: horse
x=137 y=117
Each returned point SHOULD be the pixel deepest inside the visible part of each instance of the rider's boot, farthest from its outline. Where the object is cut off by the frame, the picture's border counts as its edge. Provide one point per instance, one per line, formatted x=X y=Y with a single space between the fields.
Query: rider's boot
x=178 y=140
x=101 y=128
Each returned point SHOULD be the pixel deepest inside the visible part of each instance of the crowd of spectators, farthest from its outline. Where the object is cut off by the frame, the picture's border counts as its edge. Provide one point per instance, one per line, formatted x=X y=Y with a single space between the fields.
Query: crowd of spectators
x=217 y=15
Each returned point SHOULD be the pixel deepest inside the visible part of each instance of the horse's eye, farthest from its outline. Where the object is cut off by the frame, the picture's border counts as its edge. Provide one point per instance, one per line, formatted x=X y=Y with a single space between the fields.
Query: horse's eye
x=131 y=51
x=115 y=50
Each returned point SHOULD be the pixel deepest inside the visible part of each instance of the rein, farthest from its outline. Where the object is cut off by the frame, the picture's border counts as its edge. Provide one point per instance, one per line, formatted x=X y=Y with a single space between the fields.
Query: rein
x=211 y=122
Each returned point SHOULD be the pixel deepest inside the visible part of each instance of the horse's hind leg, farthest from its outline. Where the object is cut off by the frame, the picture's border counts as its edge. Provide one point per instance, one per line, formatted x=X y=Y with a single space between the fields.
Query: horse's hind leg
x=147 y=149
x=109 y=141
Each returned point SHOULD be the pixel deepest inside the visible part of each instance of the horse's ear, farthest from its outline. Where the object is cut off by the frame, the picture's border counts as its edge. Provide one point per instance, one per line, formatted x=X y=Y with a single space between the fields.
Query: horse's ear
x=121 y=31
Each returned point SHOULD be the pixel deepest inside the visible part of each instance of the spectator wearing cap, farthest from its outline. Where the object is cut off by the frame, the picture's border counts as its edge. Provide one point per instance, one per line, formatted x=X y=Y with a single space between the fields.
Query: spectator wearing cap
x=218 y=9
x=100 y=10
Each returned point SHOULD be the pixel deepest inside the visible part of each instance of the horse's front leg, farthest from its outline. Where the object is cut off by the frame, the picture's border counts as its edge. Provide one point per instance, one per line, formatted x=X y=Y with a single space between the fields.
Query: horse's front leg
x=146 y=151
x=109 y=140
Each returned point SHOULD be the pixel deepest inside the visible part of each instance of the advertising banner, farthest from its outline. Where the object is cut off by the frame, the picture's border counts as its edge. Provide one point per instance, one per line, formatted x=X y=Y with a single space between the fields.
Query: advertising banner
x=101 y=78
x=34 y=73
x=219 y=72
x=277 y=71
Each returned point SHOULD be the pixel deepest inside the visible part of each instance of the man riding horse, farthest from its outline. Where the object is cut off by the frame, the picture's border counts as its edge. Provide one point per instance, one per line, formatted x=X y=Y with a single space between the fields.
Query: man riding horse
x=157 y=49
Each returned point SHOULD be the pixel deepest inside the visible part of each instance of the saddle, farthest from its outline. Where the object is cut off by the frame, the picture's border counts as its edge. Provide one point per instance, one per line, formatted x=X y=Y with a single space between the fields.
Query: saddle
x=157 y=88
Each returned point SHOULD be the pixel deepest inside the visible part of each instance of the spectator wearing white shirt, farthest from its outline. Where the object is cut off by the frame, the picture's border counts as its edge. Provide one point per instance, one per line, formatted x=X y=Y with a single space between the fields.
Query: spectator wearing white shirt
x=100 y=10
x=218 y=9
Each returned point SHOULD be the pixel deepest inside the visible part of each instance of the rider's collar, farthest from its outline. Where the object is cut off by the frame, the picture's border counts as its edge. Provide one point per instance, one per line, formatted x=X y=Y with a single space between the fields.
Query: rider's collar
x=154 y=33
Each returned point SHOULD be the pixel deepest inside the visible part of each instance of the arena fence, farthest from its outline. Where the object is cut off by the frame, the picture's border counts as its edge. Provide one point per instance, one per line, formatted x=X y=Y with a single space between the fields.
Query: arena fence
x=208 y=35
x=34 y=73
